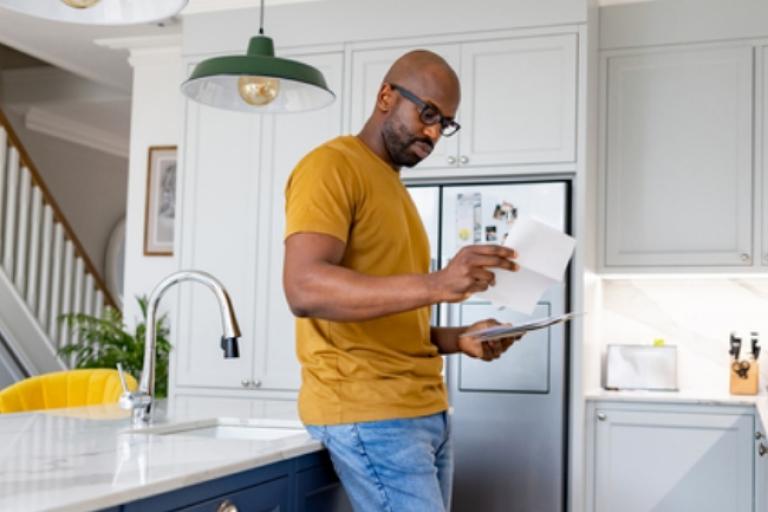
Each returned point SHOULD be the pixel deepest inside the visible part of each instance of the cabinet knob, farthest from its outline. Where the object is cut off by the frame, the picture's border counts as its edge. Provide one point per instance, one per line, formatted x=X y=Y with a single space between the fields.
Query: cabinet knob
x=451 y=160
x=256 y=383
x=227 y=506
x=601 y=416
x=762 y=449
x=758 y=435
x=464 y=160
x=245 y=383
x=745 y=257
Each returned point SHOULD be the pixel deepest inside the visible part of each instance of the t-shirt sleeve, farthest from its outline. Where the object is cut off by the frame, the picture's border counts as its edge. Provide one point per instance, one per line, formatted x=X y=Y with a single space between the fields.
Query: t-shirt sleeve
x=320 y=195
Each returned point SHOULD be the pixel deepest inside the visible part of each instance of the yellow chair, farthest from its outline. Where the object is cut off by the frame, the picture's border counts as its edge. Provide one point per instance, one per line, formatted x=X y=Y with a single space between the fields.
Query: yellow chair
x=71 y=388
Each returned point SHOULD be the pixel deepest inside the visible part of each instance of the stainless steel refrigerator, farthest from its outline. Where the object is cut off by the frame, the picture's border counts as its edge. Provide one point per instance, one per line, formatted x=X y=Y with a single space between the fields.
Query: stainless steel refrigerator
x=509 y=416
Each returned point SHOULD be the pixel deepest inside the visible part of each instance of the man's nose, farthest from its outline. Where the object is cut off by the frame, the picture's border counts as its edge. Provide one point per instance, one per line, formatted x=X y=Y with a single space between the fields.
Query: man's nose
x=433 y=132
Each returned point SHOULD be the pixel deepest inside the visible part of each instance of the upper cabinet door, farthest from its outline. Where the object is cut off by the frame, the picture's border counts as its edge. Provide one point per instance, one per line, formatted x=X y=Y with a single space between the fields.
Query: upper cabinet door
x=677 y=164
x=763 y=155
x=287 y=138
x=368 y=70
x=220 y=182
x=519 y=101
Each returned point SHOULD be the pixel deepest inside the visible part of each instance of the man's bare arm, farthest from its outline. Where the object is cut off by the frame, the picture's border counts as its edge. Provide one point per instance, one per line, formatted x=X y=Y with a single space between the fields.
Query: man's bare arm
x=316 y=285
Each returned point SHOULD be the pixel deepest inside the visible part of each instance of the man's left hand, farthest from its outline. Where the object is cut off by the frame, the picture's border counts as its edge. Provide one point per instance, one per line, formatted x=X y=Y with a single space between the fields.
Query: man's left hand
x=485 y=350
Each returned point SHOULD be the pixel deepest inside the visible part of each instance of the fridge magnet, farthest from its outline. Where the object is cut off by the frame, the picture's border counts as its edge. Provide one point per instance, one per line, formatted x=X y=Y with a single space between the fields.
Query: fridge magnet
x=506 y=212
x=468 y=219
x=160 y=208
x=490 y=233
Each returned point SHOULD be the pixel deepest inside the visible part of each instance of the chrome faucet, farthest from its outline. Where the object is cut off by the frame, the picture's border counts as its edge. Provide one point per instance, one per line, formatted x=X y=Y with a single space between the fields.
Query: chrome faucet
x=140 y=402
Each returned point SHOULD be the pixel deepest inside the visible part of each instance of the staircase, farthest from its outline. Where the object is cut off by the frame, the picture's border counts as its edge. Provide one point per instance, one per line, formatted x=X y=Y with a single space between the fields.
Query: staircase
x=44 y=270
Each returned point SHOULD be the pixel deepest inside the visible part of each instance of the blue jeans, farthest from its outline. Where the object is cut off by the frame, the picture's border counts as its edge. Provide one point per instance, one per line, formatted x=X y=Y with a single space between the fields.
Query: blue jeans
x=392 y=465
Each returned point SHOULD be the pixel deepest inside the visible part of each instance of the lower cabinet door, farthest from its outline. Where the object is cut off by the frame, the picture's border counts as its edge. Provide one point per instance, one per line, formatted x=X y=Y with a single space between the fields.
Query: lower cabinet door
x=273 y=496
x=761 y=469
x=672 y=462
x=319 y=490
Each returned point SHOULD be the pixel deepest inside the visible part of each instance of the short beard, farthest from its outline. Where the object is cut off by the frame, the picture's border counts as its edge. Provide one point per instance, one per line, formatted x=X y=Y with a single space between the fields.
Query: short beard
x=397 y=140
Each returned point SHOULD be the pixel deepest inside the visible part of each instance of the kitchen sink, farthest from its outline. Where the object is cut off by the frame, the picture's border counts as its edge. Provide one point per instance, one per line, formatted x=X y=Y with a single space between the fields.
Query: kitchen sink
x=227 y=428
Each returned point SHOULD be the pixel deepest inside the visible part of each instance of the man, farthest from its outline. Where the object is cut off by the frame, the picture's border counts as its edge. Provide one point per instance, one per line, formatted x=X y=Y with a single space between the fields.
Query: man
x=357 y=275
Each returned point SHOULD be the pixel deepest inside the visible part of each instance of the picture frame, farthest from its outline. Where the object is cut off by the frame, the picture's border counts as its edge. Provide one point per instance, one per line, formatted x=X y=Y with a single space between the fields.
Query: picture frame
x=160 y=205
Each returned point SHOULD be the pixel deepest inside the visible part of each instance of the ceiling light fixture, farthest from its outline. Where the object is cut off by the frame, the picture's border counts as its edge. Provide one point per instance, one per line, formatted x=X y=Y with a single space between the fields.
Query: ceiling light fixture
x=258 y=82
x=98 y=12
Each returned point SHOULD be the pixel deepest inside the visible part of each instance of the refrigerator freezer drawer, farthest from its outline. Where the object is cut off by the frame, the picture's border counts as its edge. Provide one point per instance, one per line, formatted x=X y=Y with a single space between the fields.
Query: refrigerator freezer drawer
x=523 y=368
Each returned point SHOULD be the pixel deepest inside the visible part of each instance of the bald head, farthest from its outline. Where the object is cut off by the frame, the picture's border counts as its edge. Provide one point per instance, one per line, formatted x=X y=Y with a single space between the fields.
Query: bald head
x=425 y=73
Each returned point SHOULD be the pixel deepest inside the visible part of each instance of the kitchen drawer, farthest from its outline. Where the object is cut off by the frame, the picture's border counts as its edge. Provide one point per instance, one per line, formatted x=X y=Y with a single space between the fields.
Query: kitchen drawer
x=268 y=485
x=265 y=497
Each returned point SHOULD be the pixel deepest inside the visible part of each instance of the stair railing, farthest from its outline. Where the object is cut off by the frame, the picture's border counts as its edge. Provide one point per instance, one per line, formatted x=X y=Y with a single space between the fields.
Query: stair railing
x=39 y=251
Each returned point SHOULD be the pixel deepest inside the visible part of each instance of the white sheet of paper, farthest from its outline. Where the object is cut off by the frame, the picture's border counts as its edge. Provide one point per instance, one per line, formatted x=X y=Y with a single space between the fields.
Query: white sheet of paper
x=543 y=253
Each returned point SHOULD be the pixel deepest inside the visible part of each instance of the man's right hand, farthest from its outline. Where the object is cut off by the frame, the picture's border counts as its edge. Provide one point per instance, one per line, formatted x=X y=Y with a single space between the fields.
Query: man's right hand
x=468 y=273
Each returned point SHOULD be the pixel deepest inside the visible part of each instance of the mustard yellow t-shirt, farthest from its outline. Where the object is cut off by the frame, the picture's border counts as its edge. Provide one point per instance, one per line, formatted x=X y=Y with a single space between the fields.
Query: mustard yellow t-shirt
x=376 y=369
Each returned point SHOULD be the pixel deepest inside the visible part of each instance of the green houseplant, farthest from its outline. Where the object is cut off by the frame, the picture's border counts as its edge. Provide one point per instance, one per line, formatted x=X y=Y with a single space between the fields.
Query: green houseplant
x=104 y=342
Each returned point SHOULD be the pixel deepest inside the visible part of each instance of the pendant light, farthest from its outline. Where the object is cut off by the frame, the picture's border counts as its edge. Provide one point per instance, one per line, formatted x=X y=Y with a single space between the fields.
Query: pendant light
x=258 y=82
x=98 y=12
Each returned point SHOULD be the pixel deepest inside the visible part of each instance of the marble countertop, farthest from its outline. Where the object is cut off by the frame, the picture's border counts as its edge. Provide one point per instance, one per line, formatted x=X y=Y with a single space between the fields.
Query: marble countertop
x=759 y=402
x=84 y=458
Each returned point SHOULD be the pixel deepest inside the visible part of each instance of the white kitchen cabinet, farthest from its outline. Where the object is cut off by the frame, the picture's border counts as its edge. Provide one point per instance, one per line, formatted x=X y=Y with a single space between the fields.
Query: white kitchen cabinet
x=519 y=102
x=518 y=99
x=762 y=153
x=218 y=218
x=677 y=157
x=761 y=466
x=232 y=226
x=286 y=140
x=649 y=457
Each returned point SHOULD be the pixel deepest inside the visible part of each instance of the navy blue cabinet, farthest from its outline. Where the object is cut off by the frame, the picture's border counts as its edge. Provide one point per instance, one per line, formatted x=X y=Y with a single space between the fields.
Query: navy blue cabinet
x=304 y=484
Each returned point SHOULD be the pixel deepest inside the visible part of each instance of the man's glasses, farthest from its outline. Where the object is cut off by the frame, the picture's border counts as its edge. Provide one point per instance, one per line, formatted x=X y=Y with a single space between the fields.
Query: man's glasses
x=428 y=113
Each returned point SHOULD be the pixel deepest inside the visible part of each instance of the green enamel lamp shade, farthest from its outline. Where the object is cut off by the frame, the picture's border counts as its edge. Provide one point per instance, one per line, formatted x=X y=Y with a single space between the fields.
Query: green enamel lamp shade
x=287 y=85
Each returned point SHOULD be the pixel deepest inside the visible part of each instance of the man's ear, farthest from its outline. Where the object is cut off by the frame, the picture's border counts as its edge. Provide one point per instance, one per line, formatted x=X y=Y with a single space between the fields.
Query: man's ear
x=385 y=100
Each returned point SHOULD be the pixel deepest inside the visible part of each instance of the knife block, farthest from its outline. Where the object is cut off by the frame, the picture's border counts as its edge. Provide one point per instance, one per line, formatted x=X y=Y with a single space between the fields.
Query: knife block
x=748 y=384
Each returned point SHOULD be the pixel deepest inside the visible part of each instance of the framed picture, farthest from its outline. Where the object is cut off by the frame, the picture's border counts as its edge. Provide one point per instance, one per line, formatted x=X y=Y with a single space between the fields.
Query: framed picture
x=160 y=208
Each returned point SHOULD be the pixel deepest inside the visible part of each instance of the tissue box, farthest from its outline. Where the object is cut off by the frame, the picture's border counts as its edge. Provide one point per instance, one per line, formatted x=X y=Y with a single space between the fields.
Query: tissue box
x=641 y=367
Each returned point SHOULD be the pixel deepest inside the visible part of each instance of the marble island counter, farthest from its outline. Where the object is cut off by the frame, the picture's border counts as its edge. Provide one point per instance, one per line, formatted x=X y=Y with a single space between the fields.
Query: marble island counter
x=90 y=458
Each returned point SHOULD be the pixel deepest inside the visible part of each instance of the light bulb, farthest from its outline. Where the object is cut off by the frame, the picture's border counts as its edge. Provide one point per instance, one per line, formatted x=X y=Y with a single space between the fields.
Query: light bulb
x=81 y=4
x=258 y=90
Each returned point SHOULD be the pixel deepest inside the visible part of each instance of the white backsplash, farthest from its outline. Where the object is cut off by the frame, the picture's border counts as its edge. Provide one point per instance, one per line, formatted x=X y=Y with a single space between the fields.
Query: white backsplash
x=696 y=314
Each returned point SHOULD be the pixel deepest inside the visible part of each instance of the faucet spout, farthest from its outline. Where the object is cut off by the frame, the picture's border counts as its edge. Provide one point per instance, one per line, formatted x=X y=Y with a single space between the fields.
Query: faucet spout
x=141 y=401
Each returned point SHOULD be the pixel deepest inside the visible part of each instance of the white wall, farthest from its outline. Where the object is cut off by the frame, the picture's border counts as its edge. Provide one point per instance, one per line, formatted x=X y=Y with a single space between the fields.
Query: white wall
x=88 y=185
x=155 y=121
x=696 y=314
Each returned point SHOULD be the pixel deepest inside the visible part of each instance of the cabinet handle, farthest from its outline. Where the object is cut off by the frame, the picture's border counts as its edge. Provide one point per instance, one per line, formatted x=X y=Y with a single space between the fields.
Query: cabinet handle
x=745 y=257
x=762 y=449
x=464 y=160
x=601 y=416
x=227 y=506
x=451 y=160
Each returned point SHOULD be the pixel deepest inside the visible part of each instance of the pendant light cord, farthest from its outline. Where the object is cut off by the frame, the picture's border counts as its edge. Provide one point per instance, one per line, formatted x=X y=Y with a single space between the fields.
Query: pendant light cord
x=261 y=20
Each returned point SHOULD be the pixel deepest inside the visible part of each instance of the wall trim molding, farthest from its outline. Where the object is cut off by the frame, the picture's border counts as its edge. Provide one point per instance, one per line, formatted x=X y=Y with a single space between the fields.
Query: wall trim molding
x=42 y=121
